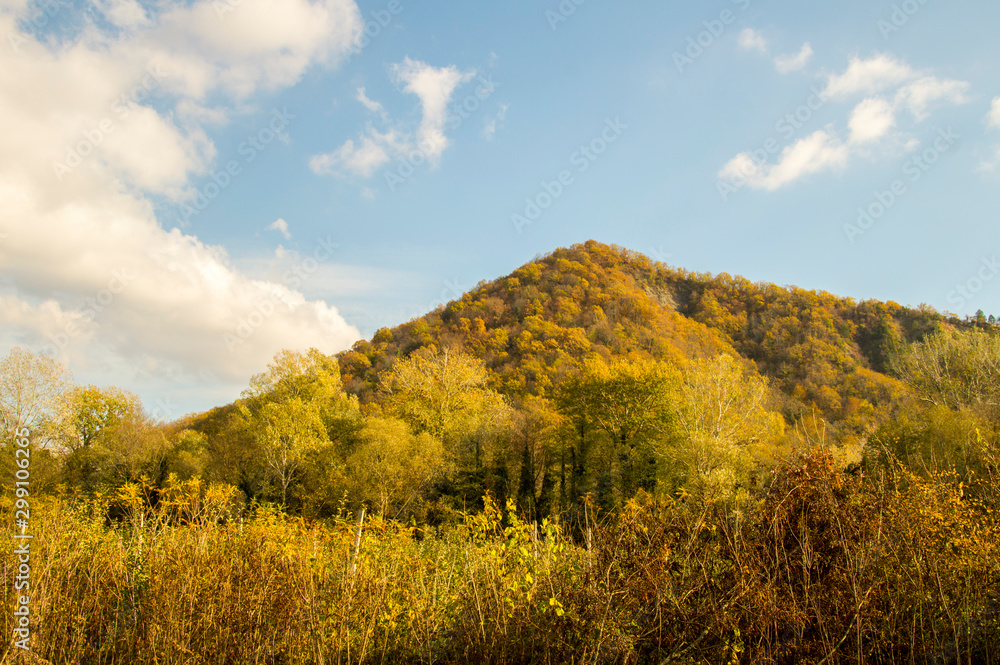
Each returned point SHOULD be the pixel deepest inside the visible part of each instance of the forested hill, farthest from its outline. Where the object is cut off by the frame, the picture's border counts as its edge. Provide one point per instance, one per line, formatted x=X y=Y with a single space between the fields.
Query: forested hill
x=589 y=432
x=824 y=353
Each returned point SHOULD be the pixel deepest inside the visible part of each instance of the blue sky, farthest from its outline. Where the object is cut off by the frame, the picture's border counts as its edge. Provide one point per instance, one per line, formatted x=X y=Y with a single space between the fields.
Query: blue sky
x=274 y=177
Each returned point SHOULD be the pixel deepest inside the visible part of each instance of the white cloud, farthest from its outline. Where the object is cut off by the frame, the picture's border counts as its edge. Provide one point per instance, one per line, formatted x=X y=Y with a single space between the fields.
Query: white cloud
x=123 y=13
x=257 y=44
x=786 y=64
x=752 y=40
x=434 y=87
x=281 y=226
x=871 y=120
x=127 y=150
x=372 y=106
x=869 y=76
x=923 y=92
x=992 y=163
x=490 y=128
x=371 y=152
x=88 y=269
x=153 y=294
x=817 y=152
x=993 y=117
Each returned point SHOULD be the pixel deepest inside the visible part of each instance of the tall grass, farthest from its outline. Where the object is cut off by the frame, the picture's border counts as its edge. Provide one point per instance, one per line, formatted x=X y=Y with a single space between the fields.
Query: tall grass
x=824 y=567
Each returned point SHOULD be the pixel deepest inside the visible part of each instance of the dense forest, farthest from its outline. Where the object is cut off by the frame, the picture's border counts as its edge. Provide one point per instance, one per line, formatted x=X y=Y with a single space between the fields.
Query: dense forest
x=596 y=458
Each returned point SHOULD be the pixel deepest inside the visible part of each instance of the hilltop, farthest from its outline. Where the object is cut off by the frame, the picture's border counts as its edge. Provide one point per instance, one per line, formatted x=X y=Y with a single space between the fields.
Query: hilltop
x=824 y=354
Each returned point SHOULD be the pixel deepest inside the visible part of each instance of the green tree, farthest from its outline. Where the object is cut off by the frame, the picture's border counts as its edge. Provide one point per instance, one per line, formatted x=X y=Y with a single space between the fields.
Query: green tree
x=235 y=455
x=534 y=429
x=189 y=455
x=632 y=403
x=572 y=400
x=287 y=431
x=631 y=399
x=955 y=377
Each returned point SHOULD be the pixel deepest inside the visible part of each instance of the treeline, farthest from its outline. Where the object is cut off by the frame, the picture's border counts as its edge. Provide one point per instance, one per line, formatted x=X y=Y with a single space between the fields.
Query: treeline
x=438 y=437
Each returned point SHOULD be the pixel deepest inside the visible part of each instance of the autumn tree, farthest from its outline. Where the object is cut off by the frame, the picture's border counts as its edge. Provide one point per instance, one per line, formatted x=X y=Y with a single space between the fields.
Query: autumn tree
x=389 y=465
x=311 y=377
x=955 y=369
x=722 y=415
x=31 y=390
x=955 y=377
x=189 y=454
x=89 y=412
x=290 y=411
x=288 y=431
x=108 y=438
x=445 y=393
x=135 y=448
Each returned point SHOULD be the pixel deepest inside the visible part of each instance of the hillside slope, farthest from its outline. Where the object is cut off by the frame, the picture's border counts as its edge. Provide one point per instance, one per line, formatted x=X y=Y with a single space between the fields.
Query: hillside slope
x=824 y=353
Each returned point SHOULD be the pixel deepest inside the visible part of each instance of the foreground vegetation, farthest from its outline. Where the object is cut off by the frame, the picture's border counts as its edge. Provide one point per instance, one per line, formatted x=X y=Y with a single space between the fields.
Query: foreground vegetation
x=825 y=566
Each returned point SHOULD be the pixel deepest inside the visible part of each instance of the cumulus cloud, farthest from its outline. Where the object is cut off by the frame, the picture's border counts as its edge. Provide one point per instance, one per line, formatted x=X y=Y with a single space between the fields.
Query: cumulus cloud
x=817 y=152
x=363 y=158
x=256 y=44
x=123 y=13
x=889 y=88
x=751 y=40
x=869 y=76
x=98 y=124
x=434 y=87
x=871 y=120
x=916 y=97
x=786 y=64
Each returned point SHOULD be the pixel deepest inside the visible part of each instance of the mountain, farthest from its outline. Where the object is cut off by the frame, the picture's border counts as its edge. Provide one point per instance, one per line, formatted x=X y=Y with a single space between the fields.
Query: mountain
x=824 y=354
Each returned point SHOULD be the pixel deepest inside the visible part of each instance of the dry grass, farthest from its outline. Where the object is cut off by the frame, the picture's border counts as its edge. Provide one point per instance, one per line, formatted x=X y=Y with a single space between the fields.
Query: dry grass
x=826 y=567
